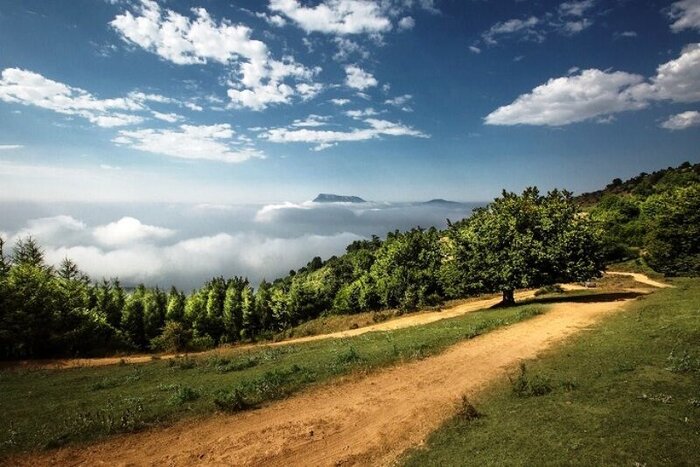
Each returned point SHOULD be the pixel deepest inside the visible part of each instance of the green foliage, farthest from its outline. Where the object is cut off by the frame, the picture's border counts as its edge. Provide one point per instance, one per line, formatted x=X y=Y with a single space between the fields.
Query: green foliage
x=525 y=241
x=673 y=241
x=652 y=214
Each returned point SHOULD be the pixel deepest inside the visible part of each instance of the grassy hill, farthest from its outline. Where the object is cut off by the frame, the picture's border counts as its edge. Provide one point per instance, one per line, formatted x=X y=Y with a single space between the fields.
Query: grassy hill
x=645 y=184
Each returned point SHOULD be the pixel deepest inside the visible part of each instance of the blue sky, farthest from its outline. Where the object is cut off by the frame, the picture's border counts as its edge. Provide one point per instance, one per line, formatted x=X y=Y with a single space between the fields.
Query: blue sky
x=238 y=101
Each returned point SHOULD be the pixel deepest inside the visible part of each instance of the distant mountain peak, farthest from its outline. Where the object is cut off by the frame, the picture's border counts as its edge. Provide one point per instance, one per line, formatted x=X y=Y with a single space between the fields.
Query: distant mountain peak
x=331 y=198
x=442 y=202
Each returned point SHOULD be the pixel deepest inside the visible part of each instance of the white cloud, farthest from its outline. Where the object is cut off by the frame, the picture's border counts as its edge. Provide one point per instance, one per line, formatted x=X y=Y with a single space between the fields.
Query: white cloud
x=129 y=230
x=29 y=88
x=359 y=114
x=595 y=93
x=339 y=102
x=181 y=40
x=116 y=119
x=324 y=138
x=311 y=121
x=570 y=99
x=347 y=48
x=575 y=8
x=686 y=15
x=682 y=120
x=399 y=101
x=524 y=28
x=190 y=262
x=406 y=23
x=204 y=142
x=272 y=20
x=51 y=230
x=628 y=34
x=568 y=19
x=357 y=78
x=167 y=117
x=474 y=49
x=259 y=79
x=309 y=90
x=335 y=16
x=574 y=27
x=10 y=147
x=677 y=80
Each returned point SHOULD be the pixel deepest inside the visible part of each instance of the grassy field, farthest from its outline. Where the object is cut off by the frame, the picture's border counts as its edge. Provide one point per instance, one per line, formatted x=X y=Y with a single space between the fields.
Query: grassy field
x=625 y=393
x=49 y=408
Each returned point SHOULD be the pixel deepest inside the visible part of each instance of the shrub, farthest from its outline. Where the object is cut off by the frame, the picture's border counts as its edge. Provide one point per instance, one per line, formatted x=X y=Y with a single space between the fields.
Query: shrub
x=175 y=338
x=184 y=394
x=231 y=401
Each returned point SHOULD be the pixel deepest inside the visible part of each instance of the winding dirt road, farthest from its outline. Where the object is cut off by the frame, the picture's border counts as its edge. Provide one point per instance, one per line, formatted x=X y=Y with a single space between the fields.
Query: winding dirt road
x=366 y=420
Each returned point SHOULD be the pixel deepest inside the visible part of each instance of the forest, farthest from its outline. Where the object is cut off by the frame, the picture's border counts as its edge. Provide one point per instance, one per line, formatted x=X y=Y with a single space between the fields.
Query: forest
x=517 y=241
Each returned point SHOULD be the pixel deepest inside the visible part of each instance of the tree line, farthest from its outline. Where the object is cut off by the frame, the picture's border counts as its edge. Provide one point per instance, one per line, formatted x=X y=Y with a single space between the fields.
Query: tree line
x=518 y=240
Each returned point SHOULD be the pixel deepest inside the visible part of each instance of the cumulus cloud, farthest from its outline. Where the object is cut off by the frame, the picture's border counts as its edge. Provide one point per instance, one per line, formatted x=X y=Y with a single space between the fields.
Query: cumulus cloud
x=325 y=138
x=685 y=15
x=335 y=16
x=682 y=120
x=129 y=230
x=570 y=99
x=593 y=94
x=29 y=88
x=359 y=79
x=203 y=142
x=258 y=81
x=677 y=80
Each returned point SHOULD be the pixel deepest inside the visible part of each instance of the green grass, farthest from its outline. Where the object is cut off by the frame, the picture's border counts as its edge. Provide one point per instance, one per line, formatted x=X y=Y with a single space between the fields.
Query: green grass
x=50 y=408
x=625 y=393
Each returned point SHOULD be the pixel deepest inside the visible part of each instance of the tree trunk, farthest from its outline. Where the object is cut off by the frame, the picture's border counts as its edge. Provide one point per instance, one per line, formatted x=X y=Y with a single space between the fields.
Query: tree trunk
x=508 y=297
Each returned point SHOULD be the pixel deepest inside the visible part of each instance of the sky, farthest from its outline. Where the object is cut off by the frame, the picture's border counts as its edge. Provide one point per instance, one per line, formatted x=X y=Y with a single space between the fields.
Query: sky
x=130 y=118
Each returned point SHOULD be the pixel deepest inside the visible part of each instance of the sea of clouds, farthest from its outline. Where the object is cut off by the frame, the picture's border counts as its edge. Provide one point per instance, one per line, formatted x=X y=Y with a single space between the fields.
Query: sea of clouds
x=184 y=245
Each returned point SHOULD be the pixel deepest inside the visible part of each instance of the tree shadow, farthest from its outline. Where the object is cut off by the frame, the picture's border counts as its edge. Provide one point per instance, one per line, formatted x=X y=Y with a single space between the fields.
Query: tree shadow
x=588 y=298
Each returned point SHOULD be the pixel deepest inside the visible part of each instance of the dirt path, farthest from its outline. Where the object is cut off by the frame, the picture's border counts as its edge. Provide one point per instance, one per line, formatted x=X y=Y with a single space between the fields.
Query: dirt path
x=640 y=278
x=363 y=420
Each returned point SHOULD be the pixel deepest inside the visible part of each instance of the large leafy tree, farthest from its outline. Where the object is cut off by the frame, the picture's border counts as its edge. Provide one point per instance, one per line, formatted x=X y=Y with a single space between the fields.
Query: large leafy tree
x=673 y=241
x=527 y=240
